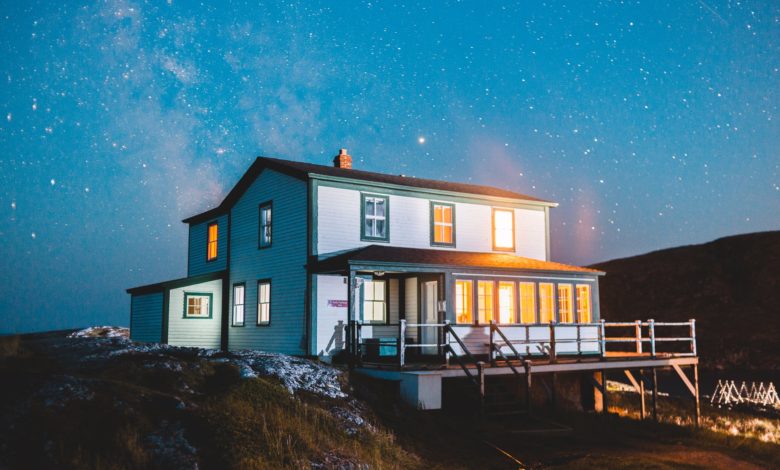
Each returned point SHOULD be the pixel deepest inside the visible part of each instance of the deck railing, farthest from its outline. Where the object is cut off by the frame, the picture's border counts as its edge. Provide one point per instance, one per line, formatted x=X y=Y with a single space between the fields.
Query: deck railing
x=507 y=342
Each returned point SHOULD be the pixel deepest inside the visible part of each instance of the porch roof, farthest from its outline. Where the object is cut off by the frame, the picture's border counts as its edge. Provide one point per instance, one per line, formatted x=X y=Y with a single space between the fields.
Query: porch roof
x=393 y=255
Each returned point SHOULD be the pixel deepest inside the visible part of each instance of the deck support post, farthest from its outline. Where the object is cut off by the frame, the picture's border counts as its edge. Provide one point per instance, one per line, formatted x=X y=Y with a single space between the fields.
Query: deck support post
x=447 y=340
x=697 y=421
x=655 y=395
x=643 y=408
x=481 y=378
x=492 y=356
x=527 y=367
x=604 y=400
x=553 y=398
x=402 y=343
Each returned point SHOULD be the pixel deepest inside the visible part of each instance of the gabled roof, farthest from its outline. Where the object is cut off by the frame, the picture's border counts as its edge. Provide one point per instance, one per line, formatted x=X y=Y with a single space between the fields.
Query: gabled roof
x=175 y=283
x=392 y=255
x=303 y=171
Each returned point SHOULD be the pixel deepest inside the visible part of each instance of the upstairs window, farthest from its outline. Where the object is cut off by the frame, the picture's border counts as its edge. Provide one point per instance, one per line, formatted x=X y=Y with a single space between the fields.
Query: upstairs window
x=565 y=313
x=503 y=229
x=197 y=305
x=211 y=245
x=442 y=224
x=263 y=302
x=374 y=305
x=463 y=302
x=238 y=304
x=583 y=304
x=375 y=211
x=265 y=225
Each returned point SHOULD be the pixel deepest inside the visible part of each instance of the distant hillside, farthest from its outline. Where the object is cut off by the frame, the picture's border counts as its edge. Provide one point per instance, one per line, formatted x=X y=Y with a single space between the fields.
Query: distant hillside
x=731 y=286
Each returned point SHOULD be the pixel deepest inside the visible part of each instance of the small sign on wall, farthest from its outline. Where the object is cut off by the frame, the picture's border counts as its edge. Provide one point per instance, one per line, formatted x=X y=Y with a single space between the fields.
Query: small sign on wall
x=337 y=303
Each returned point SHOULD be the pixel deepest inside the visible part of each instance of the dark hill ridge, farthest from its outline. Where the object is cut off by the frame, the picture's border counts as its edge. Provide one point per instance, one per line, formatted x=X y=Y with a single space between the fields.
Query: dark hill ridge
x=730 y=285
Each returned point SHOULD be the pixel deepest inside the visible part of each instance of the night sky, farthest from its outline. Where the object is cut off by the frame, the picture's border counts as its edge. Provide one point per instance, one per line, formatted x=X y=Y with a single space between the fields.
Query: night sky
x=653 y=124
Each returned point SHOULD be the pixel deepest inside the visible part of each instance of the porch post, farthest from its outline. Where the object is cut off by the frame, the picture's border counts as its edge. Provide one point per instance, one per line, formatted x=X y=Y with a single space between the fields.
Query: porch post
x=401 y=342
x=655 y=395
x=352 y=338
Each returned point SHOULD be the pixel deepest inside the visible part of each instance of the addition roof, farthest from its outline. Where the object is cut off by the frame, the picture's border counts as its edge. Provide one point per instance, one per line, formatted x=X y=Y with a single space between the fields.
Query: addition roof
x=392 y=255
x=303 y=171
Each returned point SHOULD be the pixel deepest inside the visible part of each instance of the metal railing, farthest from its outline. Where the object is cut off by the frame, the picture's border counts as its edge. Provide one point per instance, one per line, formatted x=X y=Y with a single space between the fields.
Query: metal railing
x=534 y=340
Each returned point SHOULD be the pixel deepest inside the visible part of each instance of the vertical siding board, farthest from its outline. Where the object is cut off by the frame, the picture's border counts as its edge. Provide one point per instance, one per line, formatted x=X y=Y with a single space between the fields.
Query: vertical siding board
x=283 y=263
x=146 y=317
x=196 y=252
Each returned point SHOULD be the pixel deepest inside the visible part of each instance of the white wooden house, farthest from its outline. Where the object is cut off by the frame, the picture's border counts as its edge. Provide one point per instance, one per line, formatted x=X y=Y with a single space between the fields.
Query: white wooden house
x=387 y=269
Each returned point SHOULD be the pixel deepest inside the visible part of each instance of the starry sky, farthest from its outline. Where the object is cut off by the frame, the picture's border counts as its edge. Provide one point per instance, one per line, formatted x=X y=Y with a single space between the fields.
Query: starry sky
x=652 y=123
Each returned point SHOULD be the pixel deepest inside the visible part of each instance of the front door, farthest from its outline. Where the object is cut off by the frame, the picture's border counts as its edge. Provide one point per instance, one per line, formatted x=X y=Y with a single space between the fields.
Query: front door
x=430 y=315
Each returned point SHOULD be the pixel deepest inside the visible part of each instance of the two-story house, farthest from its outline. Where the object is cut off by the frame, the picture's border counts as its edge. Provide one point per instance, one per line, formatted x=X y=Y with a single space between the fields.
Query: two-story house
x=271 y=267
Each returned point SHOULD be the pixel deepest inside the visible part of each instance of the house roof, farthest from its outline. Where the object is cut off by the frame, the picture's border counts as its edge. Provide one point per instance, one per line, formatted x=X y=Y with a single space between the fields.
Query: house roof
x=175 y=283
x=303 y=170
x=381 y=254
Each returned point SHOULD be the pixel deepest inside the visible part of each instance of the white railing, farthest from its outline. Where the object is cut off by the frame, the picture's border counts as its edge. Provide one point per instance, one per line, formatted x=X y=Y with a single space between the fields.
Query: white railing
x=517 y=341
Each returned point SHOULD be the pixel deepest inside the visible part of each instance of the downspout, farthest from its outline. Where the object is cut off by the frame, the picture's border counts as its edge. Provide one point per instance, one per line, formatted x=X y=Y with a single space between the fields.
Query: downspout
x=224 y=337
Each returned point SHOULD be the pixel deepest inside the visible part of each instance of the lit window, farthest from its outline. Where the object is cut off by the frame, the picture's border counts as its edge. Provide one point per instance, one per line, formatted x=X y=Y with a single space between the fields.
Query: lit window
x=211 y=250
x=503 y=229
x=443 y=227
x=506 y=302
x=565 y=314
x=375 y=217
x=546 y=302
x=238 y=304
x=265 y=225
x=463 y=303
x=263 y=302
x=485 y=301
x=374 y=306
x=583 y=303
x=197 y=305
x=527 y=302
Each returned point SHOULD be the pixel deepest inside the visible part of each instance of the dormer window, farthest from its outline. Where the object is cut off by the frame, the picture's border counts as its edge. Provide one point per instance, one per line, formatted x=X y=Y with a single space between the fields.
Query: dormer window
x=211 y=245
x=503 y=229
x=376 y=218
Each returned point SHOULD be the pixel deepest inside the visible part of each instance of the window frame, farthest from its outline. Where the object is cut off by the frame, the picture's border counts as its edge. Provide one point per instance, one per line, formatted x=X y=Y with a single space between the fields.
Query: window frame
x=533 y=297
x=187 y=295
x=572 y=314
x=467 y=294
x=386 y=301
x=234 y=305
x=590 y=302
x=209 y=242
x=433 y=205
x=552 y=300
x=493 y=228
x=270 y=302
x=270 y=206
x=493 y=304
x=363 y=236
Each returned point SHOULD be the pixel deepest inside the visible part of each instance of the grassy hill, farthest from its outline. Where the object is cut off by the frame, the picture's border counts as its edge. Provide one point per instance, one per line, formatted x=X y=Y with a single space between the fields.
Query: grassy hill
x=731 y=286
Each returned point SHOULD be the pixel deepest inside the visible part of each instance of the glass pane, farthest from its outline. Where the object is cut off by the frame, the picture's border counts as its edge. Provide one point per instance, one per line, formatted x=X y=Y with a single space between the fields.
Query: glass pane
x=447 y=236
x=528 y=302
x=503 y=230
x=264 y=313
x=437 y=217
x=379 y=290
x=545 y=303
x=447 y=214
x=485 y=301
x=370 y=228
x=463 y=303
x=506 y=302
x=380 y=228
x=370 y=208
x=380 y=207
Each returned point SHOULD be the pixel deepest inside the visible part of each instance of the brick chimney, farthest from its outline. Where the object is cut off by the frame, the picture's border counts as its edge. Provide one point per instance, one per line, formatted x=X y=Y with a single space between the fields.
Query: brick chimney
x=342 y=160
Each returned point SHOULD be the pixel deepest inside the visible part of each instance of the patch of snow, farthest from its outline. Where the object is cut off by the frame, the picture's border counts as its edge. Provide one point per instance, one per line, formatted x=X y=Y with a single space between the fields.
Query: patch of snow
x=295 y=373
x=102 y=332
x=61 y=390
x=171 y=448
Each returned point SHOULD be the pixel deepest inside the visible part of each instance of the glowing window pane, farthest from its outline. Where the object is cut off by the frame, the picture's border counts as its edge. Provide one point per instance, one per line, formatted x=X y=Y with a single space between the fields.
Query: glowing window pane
x=546 y=303
x=565 y=313
x=583 y=303
x=263 y=303
x=506 y=302
x=374 y=305
x=443 y=225
x=463 y=301
x=485 y=301
x=527 y=302
x=503 y=229
x=211 y=246
x=238 y=304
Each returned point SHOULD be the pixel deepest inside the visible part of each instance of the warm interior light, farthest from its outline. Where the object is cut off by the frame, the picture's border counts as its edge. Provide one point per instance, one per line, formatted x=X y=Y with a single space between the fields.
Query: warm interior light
x=503 y=228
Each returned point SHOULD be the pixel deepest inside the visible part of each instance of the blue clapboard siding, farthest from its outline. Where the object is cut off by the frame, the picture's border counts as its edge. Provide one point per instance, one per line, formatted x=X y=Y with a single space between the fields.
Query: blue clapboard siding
x=283 y=263
x=146 y=314
x=197 y=250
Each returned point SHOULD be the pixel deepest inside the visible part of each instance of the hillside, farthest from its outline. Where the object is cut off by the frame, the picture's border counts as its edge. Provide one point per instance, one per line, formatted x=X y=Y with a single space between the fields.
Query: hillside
x=731 y=286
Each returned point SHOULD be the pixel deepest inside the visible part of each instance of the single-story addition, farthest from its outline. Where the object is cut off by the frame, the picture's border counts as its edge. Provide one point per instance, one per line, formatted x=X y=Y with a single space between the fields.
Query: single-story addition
x=393 y=272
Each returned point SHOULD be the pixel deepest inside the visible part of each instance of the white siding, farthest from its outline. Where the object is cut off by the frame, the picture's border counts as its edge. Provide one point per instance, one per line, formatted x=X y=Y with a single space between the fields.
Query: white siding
x=195 y=332
x=331 y=319
x=410 y=307
x=339 y=222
